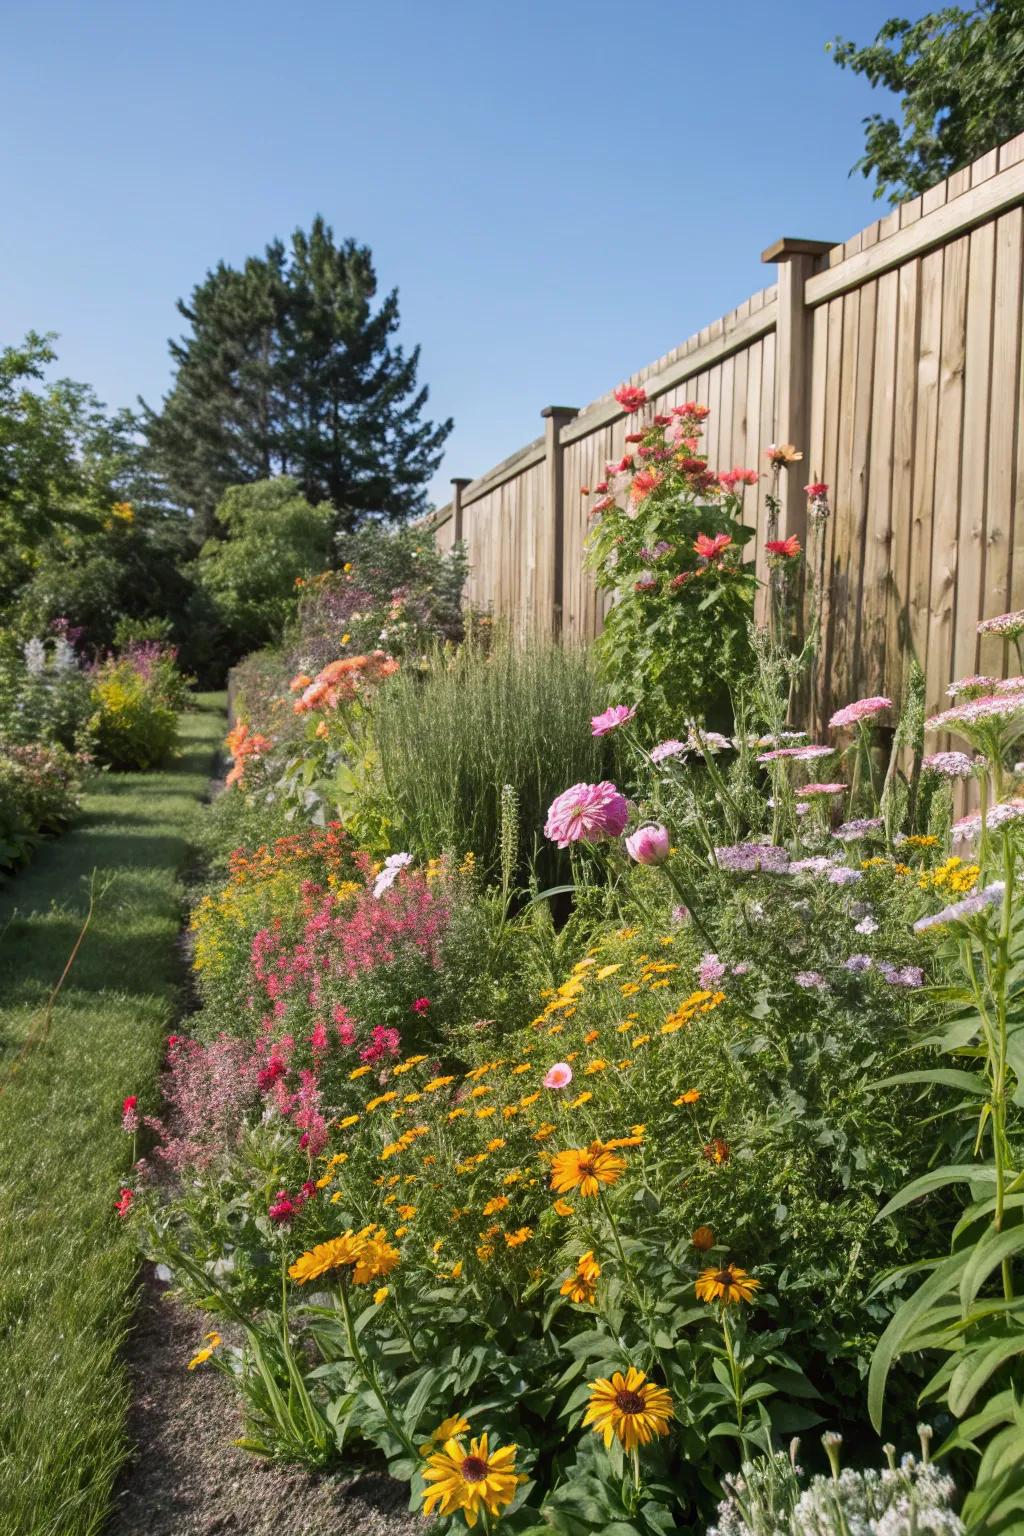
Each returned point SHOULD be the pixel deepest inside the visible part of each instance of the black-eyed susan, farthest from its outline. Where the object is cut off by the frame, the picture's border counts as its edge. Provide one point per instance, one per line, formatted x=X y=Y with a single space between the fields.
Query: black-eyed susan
x=334 y=1254
x=470 y=1480
x=581 y=1287
x=585 y=1169
x=628 y=1408
x=727 y=1285
x=446 y=1430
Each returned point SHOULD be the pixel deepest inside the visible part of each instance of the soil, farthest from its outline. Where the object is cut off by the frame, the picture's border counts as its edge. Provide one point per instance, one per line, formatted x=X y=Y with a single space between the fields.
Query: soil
x=187 y=1479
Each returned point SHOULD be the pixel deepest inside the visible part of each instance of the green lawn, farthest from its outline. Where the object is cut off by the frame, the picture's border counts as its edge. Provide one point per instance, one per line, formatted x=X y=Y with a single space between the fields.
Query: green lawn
x=67 y=1270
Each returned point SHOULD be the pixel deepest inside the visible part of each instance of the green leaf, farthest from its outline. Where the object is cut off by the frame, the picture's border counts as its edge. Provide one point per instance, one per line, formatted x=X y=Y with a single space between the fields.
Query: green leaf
x=988 y=1253
x=908 y=1317
x=419 y=1399
x=979 y=1366
x=939 y=1178
x=948 y=1077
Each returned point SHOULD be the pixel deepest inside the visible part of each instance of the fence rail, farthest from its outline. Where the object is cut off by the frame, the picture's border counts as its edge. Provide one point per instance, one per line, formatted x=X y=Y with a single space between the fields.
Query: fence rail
x=894 y=359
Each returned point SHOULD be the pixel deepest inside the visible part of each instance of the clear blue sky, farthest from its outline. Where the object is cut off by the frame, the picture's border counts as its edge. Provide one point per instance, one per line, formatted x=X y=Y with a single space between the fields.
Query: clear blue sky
x=562 y=190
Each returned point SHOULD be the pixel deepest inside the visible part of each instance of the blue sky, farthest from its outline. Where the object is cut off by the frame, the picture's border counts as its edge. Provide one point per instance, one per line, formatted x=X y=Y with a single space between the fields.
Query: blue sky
x=562 y=190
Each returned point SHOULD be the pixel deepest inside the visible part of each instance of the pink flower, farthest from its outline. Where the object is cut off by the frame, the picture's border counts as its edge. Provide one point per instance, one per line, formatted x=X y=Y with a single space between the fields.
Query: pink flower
x=783 y=549
x=816 y=490
x=670 y=748
x=649 y=845
x=631 y=397
x=586 y=813
x=818 y=789
x=123 y=1203
x=644 y=482
x=709 y=548
x=734 y=477
x=283 y=1208
x=421 y=1005
x=710 y=971
x=618 y=714
x=129 y=1115
x=558 y=1076
x=383 y=1042
x=861 y=709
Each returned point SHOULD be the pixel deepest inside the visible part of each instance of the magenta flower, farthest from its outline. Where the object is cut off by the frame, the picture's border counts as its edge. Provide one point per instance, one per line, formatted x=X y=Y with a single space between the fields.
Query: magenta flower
x=586 y=813
x=421 y=1005
x=860 y=710
x=130 y=1114
x=558 y=1076
x=619 y=714
x=649 y=845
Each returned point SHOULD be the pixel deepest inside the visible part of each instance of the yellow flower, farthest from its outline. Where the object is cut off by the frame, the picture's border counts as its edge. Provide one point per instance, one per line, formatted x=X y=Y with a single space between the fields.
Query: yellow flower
x=607 y=970
x=456 y=1425
x=727 y=1285
x=581 y=1098
x=437 y=1082
x=544 y=1131
x=585 y=1169
x=628 y=1408
x=524 y=1066
x=376 y=1259
x=494 y=1206
x=345 y=639
x=689 y=1097
x=213 y=1341
x=470 y=1481
x=597 y=1065
x=485 y=1113
x=407 y=1212
x=358 y=1072
x=629 y=988
x=581 y=1287
x=382 y=1098
x=562 y=1207
x=517 y=1238
x=349 y=1120
x=381 y=1294
x=456 y=1114
x=326 y=1256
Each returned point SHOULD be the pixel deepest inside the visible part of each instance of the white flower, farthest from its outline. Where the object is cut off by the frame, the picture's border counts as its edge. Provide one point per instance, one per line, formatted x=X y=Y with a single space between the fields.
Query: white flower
x=389 y=874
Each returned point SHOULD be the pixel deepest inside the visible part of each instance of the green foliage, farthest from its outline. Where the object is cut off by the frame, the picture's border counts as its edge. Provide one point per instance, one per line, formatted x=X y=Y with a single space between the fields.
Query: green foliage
x=273 y=538
x=45 y=695
x=289 y=369
x=133 y=725
x=450 y=738
x=39 y=789
x=960 y=74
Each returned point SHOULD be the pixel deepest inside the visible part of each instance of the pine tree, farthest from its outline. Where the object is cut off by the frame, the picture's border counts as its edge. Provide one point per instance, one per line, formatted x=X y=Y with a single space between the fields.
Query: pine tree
x=289 y=370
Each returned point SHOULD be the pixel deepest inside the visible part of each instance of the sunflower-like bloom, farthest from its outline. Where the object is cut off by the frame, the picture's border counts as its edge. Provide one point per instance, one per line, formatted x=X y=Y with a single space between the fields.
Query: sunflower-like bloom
x=728 y=1285
x=376 y=1257
x=585 y=1169
x=581 y=1287
x=470 y=1480
x=455 y=1425
x=333 y=1254
x=628 y=1408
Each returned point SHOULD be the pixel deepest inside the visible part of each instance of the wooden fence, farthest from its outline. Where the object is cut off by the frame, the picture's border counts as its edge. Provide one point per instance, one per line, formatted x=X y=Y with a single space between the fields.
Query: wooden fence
x=894 y=360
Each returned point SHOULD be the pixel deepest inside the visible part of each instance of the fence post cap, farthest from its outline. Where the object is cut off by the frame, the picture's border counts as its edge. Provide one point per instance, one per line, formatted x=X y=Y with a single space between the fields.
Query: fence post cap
x=790 y=245
x=461 y=480
x=566 y=411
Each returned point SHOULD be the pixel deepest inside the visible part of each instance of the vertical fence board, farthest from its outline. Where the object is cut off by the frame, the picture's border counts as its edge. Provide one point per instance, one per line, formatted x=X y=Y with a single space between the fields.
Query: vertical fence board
x=945 y=528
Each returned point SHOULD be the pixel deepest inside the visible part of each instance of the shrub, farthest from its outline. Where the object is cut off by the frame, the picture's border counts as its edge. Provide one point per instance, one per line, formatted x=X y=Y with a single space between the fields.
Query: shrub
x=39 y=788
x=132 y=725
x=44 y=693
x=450 y=739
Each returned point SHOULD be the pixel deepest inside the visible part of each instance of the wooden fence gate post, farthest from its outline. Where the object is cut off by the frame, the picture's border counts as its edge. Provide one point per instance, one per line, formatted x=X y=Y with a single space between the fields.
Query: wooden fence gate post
x=458 y=486
x=555 y=418
x=794 y=334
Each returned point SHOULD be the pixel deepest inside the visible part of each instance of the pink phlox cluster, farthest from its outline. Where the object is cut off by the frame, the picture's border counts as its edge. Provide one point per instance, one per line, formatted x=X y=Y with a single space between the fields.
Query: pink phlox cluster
x=384 y=1043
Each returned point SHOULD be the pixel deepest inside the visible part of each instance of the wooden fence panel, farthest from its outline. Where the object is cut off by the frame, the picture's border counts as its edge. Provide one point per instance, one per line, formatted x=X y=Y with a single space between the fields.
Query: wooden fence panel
x=902 y=348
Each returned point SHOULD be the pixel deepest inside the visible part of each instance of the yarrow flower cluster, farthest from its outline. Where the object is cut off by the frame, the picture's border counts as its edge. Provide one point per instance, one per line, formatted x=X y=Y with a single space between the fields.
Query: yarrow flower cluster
x=753 y=858
x=958 y=911
x=861 y=826
x=997 y=816
x=1008 y=625
x=860 y=711
x=952 y=765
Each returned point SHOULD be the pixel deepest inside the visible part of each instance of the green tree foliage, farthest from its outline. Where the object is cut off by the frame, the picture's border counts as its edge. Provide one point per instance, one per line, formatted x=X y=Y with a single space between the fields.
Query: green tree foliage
x=288 y=369
x=273 y=539
x=961 y=78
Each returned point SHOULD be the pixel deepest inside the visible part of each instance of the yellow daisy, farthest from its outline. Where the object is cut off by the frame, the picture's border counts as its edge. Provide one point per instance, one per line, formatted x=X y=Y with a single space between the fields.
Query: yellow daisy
x=628 y=1408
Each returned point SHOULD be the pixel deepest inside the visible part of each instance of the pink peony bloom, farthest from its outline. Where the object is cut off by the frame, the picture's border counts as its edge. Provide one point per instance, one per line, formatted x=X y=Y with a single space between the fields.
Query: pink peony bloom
x=649 y=845
x=861 y=709
x=586 y=813
x=558 y=1076
x=619 y=714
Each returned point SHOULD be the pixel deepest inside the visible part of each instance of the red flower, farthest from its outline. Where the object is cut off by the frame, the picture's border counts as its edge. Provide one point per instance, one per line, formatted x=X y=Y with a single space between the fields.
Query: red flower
x=584 y=490
x=631 y=397
x=786 y=549
x=734 y=477
x=602 y=506
x=662 y=421
x=816 y=489
x=635 y=437
x=601 y=488
x=129 y=1102
x=717 y=1151
x=710 y=548
x=123 y=1204
x=282 y=1209
x=644 y=482
x=625 y=463
x=421 y=1005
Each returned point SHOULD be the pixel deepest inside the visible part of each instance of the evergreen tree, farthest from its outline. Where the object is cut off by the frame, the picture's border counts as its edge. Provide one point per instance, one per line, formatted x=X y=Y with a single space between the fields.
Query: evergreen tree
x=289 y=370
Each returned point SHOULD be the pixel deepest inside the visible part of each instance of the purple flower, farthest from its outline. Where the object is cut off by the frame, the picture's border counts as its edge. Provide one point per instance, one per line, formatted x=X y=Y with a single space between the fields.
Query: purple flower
x=861 y=826
x=903 y=975
x=680 y=914
x=806 y=754
x=1010 y=624
x=952 y=765
x=857 y=963
x=842 y=875
x=710 y=971
x=811 y=981
x=587 y=813
x=970 y=826
x=969 y=907
x=750 y=858
x=649 y=844
x=618 y=715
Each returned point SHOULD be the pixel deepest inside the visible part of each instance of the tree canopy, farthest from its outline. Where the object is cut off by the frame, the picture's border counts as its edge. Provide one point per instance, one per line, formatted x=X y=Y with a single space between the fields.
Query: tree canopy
x=961 y=78
x=288 y=369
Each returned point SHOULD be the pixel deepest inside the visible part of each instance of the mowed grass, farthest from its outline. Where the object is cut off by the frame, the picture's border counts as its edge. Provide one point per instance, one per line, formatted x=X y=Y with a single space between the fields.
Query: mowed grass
x=68 y=1270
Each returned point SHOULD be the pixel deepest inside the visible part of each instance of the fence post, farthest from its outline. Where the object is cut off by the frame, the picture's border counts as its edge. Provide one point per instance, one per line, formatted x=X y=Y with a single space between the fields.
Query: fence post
x=555 y=418
x=458 y=486
x=796 y=261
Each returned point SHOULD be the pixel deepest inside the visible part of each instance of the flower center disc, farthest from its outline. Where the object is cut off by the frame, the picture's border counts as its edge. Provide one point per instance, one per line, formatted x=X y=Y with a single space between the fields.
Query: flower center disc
x=629 y=1402
x=474 y=1469
x=723 y=1277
